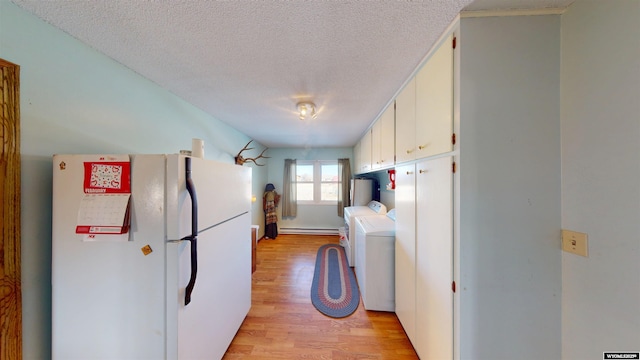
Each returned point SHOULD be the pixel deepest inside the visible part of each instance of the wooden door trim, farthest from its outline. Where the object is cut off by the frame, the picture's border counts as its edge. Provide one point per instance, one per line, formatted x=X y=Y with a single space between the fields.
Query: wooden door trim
x=10 y=275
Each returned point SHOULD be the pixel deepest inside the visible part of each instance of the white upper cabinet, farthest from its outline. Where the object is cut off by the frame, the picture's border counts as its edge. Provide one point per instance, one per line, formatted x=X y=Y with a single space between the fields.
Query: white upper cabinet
x=365 y=152
x=406 y=123
x=434 y=103
x=383 y=140
x=357 y=157
x=376 y=138
x=424 y=108
x=422 y=123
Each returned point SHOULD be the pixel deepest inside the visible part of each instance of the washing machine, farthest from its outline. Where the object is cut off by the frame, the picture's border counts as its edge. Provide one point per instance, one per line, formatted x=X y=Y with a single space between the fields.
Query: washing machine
x=375 y=260
x=350 y=214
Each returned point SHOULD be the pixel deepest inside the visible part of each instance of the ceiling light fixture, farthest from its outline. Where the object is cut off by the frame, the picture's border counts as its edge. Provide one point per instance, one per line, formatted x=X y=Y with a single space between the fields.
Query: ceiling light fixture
x=307 y=110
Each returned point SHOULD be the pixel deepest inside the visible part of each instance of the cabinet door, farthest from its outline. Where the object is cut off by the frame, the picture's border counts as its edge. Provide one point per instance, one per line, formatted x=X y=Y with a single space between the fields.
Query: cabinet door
x=434 y=103
x=406 y=123
x=387 y=137
x=406 y=249
x=365 y=151
x=376 y=142
x=357 y=157
x=434 y=259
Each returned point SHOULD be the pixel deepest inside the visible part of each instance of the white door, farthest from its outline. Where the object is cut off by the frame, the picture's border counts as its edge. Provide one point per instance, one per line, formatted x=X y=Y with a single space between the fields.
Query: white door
x=434 y=259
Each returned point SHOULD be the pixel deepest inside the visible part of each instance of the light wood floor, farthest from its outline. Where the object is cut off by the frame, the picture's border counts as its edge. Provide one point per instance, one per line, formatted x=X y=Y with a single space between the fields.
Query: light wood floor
x=283 y=324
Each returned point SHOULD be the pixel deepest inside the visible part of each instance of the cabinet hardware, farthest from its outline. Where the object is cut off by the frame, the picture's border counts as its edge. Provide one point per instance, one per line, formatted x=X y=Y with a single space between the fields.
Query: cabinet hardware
x=409 y=151
x=423 y=171
x=422 y=147
x=409 y=172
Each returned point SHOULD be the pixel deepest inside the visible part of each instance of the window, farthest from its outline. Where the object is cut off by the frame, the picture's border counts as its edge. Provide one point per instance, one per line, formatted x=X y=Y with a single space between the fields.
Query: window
x=317 y=182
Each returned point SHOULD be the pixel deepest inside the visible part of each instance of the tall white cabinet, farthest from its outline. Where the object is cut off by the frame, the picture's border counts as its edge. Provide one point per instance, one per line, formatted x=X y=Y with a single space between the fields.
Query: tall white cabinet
x=424 y=255
x=434 y=258
x=424 y=203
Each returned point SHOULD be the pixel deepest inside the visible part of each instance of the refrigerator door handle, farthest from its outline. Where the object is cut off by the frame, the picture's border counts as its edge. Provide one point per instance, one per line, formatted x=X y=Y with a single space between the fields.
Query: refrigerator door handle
x=193 y=238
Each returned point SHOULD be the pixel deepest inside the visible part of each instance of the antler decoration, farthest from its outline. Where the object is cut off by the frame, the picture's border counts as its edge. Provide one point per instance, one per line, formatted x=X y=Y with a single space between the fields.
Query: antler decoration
x=241 y=160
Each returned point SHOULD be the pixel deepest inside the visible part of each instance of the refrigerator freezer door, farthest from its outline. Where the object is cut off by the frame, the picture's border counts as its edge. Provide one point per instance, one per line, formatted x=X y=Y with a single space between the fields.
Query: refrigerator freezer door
x=223 y=191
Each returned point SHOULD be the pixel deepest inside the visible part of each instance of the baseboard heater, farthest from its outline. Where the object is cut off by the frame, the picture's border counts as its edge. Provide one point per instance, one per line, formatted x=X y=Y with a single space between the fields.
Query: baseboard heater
x=308 y=231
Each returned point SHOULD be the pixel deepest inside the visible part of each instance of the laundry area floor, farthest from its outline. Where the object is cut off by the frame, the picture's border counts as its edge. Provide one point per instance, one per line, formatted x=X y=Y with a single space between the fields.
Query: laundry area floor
x=283 y=324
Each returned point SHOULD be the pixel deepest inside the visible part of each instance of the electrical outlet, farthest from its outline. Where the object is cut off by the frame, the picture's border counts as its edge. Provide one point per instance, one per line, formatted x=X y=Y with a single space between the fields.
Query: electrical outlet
x=575 y=242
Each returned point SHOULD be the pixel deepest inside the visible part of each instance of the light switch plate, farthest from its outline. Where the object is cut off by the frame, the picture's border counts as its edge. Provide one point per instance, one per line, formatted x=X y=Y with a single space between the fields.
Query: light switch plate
x=575 y=242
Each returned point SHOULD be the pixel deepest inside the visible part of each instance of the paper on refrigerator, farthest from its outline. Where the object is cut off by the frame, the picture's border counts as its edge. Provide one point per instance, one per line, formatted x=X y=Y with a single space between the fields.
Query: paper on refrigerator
x=103 y=213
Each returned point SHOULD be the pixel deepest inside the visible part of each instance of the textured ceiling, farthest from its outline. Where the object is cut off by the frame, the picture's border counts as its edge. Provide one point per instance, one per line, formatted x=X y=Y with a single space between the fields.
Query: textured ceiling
x=248 y=63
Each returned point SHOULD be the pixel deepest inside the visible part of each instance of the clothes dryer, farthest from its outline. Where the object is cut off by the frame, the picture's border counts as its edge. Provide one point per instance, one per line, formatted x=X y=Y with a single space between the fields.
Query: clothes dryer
x=375 y=260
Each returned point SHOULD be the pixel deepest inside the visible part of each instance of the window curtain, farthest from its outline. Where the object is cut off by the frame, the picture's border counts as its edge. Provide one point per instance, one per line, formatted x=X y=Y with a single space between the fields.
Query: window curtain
x=344 y=185
x=289 y=189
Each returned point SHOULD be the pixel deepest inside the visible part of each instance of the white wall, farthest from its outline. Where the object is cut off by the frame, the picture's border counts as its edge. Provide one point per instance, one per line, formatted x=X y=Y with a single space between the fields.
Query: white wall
x=509 y=283
x=309 y=216
x=600 y=172
x=75 y=100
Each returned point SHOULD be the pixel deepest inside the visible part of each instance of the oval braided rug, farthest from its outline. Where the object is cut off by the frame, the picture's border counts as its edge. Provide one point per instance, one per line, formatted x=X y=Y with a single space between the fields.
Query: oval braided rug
x=334 y=291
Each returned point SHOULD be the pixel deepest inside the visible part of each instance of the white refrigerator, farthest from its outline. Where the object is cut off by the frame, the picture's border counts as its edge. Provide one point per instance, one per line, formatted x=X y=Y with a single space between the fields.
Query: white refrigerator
x=361 y=191
x=122 y=265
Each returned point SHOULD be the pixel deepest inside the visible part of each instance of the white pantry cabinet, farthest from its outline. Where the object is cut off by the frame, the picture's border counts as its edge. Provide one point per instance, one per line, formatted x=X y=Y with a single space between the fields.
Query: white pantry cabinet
x=434 y=258
x=406 y=249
